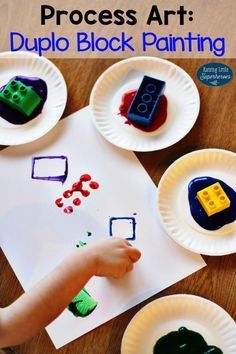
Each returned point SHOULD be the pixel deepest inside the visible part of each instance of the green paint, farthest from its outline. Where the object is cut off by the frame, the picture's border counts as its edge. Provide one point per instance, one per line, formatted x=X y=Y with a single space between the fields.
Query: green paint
x=83 y=304
x=89 y=233
x=20 y=97
x=184 y=341
x=81 y=244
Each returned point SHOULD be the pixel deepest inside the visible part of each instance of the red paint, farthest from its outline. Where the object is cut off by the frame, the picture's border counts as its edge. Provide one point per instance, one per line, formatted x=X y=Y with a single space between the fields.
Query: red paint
x=85 y=178
x=77 y=201
x=68 y=210
x=160 y=115
x=85 y=193
x=68 y=193
x=76 y=187
x=126 y=101
x=94 y=185
x=59 y=203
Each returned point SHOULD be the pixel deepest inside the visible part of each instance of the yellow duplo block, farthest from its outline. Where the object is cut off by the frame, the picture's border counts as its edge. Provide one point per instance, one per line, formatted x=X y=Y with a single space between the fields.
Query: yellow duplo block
x=213 y=199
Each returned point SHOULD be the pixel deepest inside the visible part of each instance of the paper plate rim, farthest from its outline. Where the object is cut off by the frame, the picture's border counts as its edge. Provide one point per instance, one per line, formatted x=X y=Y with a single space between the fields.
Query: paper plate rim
x=195 y=298
x=24 y=55
x=158 y=198
x=139 y=58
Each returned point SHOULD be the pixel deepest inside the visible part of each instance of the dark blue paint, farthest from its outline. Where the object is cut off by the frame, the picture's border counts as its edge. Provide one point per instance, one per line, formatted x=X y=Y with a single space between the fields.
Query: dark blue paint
x=214 y=74
x=60 y=178
x=131 y=220
x=217 y=220
x=14 y=116
x=144 y=104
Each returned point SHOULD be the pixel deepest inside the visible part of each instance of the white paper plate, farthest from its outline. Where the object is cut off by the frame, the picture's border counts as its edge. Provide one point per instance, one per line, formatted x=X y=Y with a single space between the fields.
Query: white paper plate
x=29 y=64
x=173 y=206
x=181 y=92
x=168 y=313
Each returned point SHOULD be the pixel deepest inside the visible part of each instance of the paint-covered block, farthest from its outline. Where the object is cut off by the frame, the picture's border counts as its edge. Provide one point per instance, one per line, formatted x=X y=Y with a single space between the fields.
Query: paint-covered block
x=213 y=199
x=144 y=104
x=20 y=97
x=83 y=304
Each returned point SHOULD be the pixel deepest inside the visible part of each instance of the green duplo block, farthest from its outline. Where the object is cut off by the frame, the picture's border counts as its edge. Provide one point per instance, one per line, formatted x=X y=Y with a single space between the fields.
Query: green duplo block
x=20 y=97
x=83 y=304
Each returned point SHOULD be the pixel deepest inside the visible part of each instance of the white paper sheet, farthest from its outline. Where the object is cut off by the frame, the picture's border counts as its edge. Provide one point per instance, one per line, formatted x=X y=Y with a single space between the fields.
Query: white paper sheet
x=36 y=235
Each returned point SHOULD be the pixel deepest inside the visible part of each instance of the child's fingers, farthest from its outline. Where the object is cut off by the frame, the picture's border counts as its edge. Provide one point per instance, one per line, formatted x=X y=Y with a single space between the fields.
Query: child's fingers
x=128 y=243
x=134 y=254
x=129 y=266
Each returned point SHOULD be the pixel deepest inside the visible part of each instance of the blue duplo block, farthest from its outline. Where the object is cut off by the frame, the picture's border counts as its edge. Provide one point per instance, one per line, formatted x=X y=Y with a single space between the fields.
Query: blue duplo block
x=144 y=104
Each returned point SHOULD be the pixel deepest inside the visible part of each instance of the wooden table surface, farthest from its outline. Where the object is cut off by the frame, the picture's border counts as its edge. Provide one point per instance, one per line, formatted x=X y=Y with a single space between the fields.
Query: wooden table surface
x=215 y=127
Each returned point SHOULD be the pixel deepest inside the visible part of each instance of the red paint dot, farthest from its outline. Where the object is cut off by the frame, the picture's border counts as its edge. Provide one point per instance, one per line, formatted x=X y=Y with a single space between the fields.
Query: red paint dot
x=68 y=210
x=77 y=201
x=85 y=193
x=59 y=203
x=94 y=185
x=77 y=186
x=85 y=178
x=67 y=194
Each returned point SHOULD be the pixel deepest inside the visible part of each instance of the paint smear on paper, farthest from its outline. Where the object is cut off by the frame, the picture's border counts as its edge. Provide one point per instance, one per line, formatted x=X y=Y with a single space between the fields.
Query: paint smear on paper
x=123 y=227
x=77 y=187
x=50 y=160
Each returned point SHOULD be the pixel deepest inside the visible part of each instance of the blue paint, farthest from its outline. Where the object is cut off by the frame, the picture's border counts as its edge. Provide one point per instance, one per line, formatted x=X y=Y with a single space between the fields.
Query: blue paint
x=131 y=220
x=214 y=74
x=16 y=117
x=144 y=104
x=217 y=220
x=60 y=178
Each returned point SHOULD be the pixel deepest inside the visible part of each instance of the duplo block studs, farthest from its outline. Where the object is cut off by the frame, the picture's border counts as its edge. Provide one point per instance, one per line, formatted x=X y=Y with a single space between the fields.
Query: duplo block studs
x=145 y=102
x=20 y=97
x=213 y=199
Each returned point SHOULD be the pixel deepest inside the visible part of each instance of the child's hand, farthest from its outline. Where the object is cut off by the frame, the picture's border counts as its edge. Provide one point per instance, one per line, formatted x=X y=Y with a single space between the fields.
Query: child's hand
x=113 y=257
x=29 y=314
